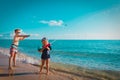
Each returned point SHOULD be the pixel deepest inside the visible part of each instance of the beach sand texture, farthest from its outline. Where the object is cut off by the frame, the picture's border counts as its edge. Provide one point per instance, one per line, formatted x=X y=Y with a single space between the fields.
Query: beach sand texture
x=26 y=71
x=29 y=72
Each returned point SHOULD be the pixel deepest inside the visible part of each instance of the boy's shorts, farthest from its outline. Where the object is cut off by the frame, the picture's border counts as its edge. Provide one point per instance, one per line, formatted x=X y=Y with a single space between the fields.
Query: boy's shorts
x=13 y=48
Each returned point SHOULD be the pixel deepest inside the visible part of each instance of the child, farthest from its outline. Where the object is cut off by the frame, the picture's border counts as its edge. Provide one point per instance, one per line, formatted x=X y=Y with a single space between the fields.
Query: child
x=45 y=54
x=14 y=46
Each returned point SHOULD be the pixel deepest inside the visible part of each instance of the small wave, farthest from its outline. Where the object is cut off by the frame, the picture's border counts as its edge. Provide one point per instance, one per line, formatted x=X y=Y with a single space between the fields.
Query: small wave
x=21 y=57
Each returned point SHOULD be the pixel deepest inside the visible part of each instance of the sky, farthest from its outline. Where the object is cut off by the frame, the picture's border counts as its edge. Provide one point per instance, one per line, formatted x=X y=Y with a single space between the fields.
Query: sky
x=61 y=19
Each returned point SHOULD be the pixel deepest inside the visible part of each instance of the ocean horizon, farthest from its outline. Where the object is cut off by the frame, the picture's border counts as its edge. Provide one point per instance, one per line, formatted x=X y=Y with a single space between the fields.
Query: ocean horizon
x=92 y=54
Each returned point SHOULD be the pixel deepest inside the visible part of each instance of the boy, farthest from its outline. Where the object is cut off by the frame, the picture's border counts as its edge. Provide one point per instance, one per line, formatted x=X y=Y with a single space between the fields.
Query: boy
x=14 y=46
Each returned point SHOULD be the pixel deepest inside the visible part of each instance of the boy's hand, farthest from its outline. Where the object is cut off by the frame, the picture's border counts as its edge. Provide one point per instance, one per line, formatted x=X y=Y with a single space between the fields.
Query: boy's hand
x=27 y=35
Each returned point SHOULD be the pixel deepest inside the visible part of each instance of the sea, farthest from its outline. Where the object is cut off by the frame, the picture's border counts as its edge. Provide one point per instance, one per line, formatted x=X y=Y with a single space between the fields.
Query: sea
x=91 y=54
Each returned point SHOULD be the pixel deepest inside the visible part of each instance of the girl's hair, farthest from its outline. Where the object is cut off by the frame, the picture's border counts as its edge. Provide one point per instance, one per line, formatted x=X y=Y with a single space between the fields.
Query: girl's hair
x=44 y=38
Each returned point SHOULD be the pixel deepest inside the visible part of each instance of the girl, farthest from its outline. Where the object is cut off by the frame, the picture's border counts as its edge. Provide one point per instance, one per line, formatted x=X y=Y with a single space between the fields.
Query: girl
x=45 y=57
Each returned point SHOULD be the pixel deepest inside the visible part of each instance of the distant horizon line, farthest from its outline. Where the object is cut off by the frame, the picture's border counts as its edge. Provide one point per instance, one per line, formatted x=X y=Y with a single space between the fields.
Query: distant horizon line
x=66 y=39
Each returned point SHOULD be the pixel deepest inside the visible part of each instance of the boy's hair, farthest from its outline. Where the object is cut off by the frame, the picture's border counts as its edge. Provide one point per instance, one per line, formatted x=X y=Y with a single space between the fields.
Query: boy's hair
x=16 y=30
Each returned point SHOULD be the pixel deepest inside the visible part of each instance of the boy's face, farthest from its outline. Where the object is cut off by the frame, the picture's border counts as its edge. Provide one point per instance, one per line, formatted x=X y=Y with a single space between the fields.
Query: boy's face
x=18 y=31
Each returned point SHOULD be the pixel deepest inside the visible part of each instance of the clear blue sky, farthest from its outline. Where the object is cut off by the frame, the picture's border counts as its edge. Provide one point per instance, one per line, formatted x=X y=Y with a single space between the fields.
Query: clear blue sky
x=61 y=19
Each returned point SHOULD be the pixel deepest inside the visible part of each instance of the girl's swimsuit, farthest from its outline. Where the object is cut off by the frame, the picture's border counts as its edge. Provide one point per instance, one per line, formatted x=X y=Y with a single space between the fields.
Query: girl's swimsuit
x=46 y=53
x=13 y=48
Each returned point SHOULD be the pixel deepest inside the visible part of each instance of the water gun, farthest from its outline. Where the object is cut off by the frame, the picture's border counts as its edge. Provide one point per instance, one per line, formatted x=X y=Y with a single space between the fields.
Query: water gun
x=39 y=49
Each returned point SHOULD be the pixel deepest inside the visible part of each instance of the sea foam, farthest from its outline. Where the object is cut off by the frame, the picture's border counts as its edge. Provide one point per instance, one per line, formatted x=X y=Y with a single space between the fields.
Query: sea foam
x=20 y=57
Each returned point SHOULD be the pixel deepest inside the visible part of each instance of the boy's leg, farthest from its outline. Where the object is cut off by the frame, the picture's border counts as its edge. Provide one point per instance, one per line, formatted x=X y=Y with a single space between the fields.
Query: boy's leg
x=14 y=59
x=10 y=59
x=42 y=64
x=47 y=65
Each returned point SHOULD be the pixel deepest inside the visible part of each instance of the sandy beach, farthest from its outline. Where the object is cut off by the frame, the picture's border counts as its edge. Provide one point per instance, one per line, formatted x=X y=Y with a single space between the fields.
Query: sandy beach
x=58 y=71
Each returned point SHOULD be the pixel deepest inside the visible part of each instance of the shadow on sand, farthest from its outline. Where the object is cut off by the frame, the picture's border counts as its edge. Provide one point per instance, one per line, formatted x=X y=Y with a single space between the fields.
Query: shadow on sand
x=11 y=73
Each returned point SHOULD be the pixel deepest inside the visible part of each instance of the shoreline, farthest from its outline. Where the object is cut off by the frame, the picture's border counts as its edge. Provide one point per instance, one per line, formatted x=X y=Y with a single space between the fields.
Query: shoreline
x=84 y=72
x=75 y=72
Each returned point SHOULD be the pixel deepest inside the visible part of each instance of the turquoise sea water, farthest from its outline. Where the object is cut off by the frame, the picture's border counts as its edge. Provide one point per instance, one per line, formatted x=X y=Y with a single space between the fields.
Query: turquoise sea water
x=93 y=54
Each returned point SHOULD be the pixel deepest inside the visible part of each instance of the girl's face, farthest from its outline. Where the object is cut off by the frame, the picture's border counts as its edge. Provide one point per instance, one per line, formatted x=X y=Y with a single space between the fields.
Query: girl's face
x=44 y=42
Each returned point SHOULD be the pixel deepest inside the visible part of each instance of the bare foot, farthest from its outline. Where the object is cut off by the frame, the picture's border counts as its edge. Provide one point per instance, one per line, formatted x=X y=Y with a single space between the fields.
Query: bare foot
x=40 y=72
x=10 y=68
x=10 y=71
x=47 y=73
x=14 y=66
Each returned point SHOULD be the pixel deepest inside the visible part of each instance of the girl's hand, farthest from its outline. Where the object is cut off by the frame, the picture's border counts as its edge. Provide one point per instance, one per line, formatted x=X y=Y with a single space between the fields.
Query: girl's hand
x=40 y=50
x=48 y=48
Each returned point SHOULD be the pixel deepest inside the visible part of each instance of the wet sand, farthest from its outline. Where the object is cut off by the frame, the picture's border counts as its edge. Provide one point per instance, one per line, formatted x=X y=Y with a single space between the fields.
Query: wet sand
x=58 y=71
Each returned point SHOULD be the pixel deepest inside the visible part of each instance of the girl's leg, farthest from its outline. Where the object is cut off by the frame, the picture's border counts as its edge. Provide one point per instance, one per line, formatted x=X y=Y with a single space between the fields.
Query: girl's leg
x=42 y=64
x=14 y=59
x=47 y=65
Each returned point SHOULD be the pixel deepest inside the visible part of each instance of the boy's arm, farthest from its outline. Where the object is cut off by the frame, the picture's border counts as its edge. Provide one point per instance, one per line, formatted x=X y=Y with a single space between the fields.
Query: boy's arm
x=23 y=36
